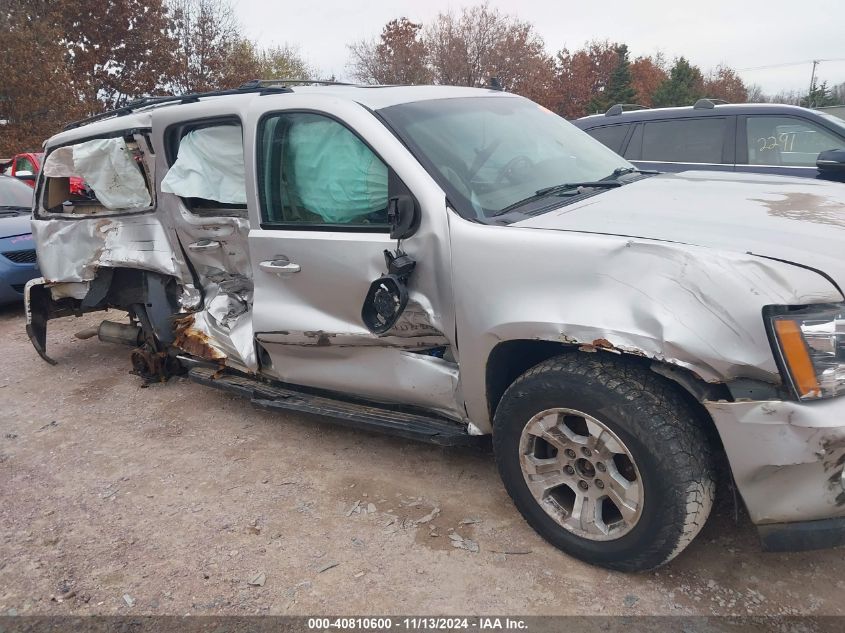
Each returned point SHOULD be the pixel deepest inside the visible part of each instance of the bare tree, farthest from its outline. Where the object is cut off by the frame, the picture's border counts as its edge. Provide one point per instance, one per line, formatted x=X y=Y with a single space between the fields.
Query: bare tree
x=756 y=94
x=398 y=56
x=209 y=46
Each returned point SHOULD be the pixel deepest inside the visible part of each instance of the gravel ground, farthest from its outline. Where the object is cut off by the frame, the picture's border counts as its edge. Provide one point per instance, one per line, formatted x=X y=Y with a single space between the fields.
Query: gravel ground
x=175 y=498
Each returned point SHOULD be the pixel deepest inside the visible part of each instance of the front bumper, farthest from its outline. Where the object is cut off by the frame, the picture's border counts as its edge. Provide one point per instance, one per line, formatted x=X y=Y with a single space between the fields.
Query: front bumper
x=787 y=459
x=13 y=278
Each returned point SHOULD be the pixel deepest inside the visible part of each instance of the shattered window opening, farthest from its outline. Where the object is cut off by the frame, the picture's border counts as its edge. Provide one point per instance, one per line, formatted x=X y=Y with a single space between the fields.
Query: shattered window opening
x=99 y=176
x=209 y=173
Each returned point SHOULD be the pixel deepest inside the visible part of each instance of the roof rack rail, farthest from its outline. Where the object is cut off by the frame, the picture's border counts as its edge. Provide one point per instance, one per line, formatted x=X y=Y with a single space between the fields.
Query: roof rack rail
x=619 y=108
x=190 y=97
x=708 y=104
x=284 y=82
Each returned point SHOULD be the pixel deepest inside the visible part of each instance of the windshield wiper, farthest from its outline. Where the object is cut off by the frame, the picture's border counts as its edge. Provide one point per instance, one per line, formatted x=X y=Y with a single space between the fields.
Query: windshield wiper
x=560 y=189
x=621 y=171
x=14 y=209
x=602 y=184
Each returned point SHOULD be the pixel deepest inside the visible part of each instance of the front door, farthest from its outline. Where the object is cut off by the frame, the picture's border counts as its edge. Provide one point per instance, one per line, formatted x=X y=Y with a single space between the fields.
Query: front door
x=783 y=145
x=317 y=243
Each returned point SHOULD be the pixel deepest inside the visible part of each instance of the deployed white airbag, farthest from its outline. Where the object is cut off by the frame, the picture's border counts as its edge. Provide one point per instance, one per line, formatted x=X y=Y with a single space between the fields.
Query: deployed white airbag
x=108 y=167
x=59 y=163
x=209 y=165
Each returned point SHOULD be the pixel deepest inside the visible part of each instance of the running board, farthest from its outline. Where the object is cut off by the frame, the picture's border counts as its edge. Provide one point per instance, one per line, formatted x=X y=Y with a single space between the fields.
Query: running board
x=434 y=430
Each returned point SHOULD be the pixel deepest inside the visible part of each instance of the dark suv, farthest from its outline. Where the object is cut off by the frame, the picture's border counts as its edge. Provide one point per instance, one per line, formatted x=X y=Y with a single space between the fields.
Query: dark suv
x=760 y=138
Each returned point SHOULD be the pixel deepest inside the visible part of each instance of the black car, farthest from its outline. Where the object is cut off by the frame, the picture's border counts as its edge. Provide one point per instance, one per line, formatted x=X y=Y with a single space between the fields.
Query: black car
x=761 y=138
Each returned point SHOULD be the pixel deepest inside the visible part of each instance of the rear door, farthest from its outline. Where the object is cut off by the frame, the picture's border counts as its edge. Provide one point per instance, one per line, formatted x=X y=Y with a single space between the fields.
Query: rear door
x=701 y=143
x=203 y=198
x=325 y=170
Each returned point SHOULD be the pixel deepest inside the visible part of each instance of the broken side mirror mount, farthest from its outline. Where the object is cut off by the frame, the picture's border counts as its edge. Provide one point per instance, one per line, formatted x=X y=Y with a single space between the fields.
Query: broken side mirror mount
x=403 y=215
x=388 y=295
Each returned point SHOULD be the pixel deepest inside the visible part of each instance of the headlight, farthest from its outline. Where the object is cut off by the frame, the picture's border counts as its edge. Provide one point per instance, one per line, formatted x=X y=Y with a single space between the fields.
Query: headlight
x=811 y=344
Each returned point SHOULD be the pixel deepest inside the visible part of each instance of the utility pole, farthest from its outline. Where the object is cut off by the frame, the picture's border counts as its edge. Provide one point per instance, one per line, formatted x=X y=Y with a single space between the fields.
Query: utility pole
x=812 y=84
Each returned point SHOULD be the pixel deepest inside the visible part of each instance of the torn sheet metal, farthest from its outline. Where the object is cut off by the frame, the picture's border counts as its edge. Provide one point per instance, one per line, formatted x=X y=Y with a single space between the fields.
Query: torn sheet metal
x=73 y=250
x=226 y=321
x=192 y=338
x=209 y=165
x=787 y=458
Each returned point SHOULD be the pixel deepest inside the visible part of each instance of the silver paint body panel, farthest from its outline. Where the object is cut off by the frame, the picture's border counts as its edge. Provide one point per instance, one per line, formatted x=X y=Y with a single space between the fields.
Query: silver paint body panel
x=675 y=268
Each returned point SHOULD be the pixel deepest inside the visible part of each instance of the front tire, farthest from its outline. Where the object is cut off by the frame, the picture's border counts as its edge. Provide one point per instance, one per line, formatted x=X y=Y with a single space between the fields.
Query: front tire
x=605 y=460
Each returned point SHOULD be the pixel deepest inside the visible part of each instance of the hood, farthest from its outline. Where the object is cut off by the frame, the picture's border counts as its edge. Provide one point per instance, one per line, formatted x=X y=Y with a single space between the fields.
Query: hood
x=798 y=220
x=15 y=225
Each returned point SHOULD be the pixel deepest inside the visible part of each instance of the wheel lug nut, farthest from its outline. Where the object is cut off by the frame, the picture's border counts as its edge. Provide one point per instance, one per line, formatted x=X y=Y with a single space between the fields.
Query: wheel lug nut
x=569 y=470
x=570 y=453
x=599 y=484
x=601 y=467
x=586 y=451
x=583 y=485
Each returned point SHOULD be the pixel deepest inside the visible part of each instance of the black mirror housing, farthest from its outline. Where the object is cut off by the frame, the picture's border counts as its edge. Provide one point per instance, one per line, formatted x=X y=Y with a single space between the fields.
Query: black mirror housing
x=831 y=160
x=403 y=214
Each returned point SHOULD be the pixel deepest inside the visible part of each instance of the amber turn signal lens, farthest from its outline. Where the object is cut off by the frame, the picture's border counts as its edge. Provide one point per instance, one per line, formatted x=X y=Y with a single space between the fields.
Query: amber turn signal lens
x=797 y=358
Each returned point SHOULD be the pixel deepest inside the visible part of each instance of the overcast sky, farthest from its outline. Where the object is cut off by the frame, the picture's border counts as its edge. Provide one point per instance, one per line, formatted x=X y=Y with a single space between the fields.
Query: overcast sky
x=744 y=34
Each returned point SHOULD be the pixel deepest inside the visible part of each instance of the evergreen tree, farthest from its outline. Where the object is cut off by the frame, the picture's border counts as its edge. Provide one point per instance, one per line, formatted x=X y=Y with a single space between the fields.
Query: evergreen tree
x=684 y=86
x=821 y=96
x=620 y=88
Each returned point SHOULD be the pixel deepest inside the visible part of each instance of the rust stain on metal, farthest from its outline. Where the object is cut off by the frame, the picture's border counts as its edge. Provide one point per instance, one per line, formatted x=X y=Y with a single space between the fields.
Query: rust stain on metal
x=599 y=343
x=194 y=342
x=323 y=339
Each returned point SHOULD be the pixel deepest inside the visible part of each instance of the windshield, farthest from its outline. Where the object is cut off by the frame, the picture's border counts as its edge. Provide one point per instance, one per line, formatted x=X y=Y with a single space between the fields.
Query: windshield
x=491 y=153
x=13 y=193
x=838 y=123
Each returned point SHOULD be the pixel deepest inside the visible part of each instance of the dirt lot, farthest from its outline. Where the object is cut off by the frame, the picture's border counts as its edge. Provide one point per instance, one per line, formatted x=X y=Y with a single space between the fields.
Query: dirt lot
x=173 y=498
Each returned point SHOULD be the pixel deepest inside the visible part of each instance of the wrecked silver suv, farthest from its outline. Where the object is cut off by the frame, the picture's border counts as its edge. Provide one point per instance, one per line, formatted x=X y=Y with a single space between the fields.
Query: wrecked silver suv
x=444 y=263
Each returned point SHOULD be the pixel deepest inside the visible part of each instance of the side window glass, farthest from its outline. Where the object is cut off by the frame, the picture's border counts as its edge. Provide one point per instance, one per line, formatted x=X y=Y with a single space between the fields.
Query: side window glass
x=315 y=171
x=774 y=140
x=208 y=173
x=611 y=136
x=635 y=145
x=684 y=140
x=24 y=164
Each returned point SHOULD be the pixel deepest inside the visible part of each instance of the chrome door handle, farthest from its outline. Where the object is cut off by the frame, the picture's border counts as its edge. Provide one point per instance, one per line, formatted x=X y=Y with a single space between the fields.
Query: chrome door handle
x=204 y=245
x=279 y=266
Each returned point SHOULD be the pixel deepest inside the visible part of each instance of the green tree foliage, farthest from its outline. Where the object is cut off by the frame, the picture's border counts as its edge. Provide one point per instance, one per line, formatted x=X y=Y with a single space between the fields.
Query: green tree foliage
x=683 y=87
x=621 y=89
x=821 y=96
x=283 y=62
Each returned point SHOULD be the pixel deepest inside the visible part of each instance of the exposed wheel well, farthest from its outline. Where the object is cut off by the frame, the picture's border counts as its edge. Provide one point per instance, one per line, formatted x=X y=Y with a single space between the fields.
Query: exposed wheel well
x=510 y=359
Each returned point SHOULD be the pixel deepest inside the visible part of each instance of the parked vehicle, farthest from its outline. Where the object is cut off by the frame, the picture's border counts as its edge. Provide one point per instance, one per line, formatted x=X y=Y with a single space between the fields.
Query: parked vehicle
x=25 y=167
x=443 y=263
x=751 y=138
x=17 y=249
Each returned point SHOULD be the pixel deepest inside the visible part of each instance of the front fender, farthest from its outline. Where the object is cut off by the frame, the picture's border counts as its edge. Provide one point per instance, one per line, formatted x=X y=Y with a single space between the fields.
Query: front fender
x=694 y=307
